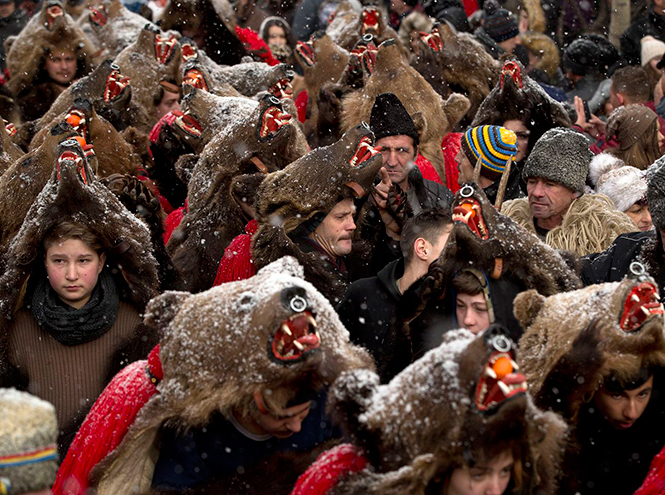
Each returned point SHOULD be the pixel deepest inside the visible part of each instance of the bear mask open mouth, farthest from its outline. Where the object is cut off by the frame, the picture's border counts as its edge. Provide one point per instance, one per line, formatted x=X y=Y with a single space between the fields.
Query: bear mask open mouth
x=272 y=120
x=512 y=70
x=498 y=381
x=115 y=85
x=641 y=303
x=296 y=336
x=282 y=89
x=10 y=128
x=188 y=52
x=370 y=22
x=164 y=46
x=470 y=213
x=433 y=40
x=364 y=152
x=71 y=154
x=97 y=16
x=195 y=78
x=76 y=118
x=306 y=52
x=188 y=123
x=52 y=13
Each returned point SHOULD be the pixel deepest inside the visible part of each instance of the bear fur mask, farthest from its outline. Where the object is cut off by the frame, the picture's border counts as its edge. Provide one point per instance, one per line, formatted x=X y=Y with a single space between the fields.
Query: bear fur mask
x=442 y=412
x=239 y=325
x=433 y=116
x=349 y=26
x=313 y=185
x=265 y=141
x=612 y=328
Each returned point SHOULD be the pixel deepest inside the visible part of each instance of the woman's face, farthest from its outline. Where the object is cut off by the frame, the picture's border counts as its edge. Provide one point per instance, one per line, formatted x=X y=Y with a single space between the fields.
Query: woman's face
x=276 y=36
x=73 y=269
x=518 y=127
x=639 y=214
x=489 y=479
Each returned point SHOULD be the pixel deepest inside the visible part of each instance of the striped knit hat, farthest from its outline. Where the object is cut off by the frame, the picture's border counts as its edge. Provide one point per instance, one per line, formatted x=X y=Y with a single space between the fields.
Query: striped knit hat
x=494 y=145
x=28 y=450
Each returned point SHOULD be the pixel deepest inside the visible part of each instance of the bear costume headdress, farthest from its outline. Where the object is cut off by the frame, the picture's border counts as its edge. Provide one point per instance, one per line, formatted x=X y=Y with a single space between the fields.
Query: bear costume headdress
x=449 y=409
x=268 y=336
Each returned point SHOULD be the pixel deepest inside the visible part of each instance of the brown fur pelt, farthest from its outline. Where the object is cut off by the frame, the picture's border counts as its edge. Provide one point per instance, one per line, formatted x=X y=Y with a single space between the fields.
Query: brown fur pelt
x=126 y=240
x=139 y=62
x=589 y=226
x=393 y=74
x=465 y=65
x=235 y=323
x=349 y=26
x=114 y=154
x=214 y=216
x=557 y=327
x=312 y=185
x=424 y=423
x=23 y=181
x=48 y=29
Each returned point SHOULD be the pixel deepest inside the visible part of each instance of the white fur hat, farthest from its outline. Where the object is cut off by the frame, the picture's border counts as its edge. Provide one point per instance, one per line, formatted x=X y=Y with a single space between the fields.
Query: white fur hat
x=625 y=186
x=651 y=47
x=601 y=164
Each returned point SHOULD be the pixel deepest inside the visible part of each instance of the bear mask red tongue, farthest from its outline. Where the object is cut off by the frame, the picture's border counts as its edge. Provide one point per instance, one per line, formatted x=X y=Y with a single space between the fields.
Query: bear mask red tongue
x=499 y=381
x=272 y=121
x=642 y=302
x=433 y=40
x=364 y=152
x=371 y=22
x=512 y=70
x=164 y=48
x=195 y=78
x=188 y=123
x=469 y=213
x=72 y=156
x=115 y=84
x=282 y=89
x=296 y=336
x=52 y=13
x=188 y=52
x=98 y=16
x=306 y=52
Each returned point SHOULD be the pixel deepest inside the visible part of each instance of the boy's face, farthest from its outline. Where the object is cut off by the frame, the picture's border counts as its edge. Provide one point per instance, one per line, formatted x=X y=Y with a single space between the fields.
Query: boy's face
x=622 y=409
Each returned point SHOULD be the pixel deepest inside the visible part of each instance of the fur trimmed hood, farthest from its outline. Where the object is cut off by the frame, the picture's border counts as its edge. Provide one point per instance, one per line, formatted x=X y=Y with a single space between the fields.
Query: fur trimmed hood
x=223 y=348
x=73 y=193
x=589 y=226
x=428 y=419
x=545 y=47
x=51 y=28
x=628 y=321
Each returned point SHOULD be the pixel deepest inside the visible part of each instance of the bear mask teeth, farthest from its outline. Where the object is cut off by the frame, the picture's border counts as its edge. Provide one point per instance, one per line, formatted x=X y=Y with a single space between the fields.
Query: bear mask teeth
x=370 y=22
x=72 y=156
x=188 y=52
x=115 y=85
x=498 y=381
x=296 y=336
x=10 y=128
x=97 y=16
x=512 y=70
x=164 y=48
x=642 y=302
x=282 y=89
x=364 y=151
x=306 y=52
x=188 y=123
x=469 y=212
x=273 y=120
x=195 y=78
x=433 y=40
x=77 y=120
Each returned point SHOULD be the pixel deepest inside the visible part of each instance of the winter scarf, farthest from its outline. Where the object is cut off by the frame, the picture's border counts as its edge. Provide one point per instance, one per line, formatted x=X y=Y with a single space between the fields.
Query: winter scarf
x=589 y=226
x=71 y=326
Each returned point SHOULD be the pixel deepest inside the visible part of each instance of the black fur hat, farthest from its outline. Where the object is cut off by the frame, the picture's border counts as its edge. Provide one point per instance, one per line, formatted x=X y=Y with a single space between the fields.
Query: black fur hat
x=390 y=118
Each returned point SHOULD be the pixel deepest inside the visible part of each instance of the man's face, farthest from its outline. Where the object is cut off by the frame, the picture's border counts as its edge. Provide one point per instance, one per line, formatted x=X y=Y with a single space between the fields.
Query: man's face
x=464 y=167
x=522 y=133
x=510 y=44
x=7 y=9
x=548 y=199
x=624 y=408
x=335 y=232
x=61 y=66
x=285 y=424
x=471 y=312
x=170 y=101
x=398 y=155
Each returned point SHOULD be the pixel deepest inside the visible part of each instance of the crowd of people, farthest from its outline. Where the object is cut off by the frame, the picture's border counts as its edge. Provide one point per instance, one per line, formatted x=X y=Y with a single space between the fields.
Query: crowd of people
x=332 y=247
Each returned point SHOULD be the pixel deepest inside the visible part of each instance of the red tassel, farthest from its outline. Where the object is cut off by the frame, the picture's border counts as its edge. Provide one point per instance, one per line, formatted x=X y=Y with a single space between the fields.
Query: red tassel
x=450 y=146
x=255 y=45
x=301 y=104
x=107 y=423
x=328 y=468
x=237 y=264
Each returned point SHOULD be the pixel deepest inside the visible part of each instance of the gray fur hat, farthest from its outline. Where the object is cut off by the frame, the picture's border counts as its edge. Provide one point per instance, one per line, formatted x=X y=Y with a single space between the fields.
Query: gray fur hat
x=625 y=186
x=561 y=155
x=656 y=192
x=28 y=448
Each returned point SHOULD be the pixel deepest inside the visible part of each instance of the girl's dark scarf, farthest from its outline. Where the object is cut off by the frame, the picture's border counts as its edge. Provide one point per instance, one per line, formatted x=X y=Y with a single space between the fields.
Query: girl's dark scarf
x=71 y=326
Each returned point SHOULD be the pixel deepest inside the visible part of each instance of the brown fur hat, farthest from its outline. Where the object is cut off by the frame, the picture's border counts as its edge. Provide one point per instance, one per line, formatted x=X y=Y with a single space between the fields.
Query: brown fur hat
x=518 y=97
x=154 y=57
x=544 y=47
x=442 y=412
x=433 y=116
x=264 y=141
x=73 y=193
x=630 y=333
x=224 y=347
x=47 y=31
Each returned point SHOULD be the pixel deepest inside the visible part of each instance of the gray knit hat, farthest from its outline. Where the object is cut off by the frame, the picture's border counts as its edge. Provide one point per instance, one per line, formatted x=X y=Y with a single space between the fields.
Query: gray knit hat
x=656 y=192
x=28 y=449
x=561 y=155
